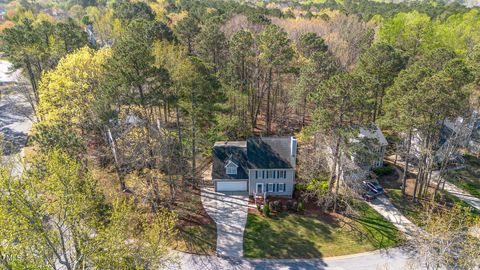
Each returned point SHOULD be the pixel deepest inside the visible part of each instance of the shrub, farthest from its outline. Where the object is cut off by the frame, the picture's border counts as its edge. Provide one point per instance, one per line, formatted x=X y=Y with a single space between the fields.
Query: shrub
x=300 y=207
x=277 y=206
x=289 y=205
x=271 y=205
x=385 y=170
x=300 y=186
x=266 y=210
x=259 y=207
x=294 y=206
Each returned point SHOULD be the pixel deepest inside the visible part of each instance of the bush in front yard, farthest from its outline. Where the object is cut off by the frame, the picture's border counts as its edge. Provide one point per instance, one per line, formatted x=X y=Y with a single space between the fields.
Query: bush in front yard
x=271 y=206
x=385 y=170
x=266 y=210
x=289 y=205
x=300 y=207
x=259 y=207
x=277 y=206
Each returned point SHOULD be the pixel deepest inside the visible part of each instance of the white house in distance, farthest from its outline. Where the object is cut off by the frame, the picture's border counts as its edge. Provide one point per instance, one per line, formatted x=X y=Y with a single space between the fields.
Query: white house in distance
x=367 y=153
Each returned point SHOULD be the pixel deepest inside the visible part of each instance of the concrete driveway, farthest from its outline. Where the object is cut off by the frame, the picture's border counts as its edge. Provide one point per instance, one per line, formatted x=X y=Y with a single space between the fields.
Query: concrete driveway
x=385 y=208
x=451 y=188
x=229 y=211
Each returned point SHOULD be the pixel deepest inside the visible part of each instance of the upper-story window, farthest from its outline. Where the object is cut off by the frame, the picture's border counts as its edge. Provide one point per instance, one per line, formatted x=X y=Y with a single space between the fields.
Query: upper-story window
x=282 y=174
x=231 y=168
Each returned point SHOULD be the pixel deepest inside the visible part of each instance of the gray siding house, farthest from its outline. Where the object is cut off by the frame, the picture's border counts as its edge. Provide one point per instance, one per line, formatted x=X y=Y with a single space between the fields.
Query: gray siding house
x=259 y=166
x=357 y=165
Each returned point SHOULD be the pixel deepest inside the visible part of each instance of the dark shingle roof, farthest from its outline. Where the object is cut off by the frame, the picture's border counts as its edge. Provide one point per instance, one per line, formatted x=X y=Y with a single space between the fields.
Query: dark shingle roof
x=256 y=152
x=269 y=153
x=222 y=153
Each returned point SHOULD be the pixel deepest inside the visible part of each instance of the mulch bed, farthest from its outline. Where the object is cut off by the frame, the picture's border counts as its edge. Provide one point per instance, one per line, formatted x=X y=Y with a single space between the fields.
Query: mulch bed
x=310 y=206
x=392 y=180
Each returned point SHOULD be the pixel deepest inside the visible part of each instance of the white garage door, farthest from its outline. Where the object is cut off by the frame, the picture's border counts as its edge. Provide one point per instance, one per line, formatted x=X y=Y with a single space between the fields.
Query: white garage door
x=232 y=186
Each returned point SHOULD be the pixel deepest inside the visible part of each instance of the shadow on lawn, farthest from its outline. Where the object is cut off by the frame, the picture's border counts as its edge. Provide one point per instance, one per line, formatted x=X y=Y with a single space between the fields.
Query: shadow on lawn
x=379 y=234
x=196 y=230
x=271 y=245
x=198 y=239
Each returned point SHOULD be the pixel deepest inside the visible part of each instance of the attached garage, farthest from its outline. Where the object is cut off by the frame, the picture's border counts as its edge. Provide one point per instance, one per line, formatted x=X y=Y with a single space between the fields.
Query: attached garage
x=230 y=185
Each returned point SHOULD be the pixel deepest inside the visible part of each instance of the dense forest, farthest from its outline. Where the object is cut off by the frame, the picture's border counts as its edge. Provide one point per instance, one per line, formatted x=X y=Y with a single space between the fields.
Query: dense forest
x=130 y=96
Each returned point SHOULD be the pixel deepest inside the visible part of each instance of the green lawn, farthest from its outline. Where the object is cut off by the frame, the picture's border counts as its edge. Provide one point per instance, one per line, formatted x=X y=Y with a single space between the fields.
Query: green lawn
x=305 y=236
x=413 y=210
x=467 y=179
x=409 y=209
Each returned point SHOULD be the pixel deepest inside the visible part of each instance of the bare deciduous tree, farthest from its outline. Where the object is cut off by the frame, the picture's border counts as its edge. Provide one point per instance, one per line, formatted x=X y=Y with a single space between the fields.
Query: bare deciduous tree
x=446 y=241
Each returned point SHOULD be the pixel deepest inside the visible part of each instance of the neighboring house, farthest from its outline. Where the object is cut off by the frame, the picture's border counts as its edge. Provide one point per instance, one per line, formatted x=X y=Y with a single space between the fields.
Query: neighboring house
x=260 y=165
x=463 y=132
x=366 y=152
x=377 y=147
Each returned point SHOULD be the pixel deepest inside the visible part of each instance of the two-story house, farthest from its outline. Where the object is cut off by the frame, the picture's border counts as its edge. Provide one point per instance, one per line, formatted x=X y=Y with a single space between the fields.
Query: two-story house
x=366 y=151
x=258 y=165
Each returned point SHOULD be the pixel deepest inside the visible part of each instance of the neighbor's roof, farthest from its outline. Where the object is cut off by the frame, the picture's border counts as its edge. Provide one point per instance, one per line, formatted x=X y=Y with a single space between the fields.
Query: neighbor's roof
x=224 y=152
x=269 y=153
x=372 y=132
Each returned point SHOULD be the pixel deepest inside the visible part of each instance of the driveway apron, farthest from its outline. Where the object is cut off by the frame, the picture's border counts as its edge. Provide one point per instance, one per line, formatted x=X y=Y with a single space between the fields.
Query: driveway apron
x=229 y=211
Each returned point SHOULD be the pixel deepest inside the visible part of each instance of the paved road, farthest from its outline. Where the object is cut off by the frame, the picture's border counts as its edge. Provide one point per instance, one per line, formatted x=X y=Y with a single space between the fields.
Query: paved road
x=5 y=75
x=15 y=122
x=391 y=259
x=229 y=211
x=15 y=117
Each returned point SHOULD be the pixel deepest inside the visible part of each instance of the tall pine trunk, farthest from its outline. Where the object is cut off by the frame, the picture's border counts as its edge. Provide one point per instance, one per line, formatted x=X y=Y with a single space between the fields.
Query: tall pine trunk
x=405 y=168
x=336 y=153
x=193 y=101
x=269 y=116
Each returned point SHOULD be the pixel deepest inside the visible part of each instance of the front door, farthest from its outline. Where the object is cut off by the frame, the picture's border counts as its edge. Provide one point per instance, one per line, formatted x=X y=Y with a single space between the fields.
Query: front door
x=259 y=188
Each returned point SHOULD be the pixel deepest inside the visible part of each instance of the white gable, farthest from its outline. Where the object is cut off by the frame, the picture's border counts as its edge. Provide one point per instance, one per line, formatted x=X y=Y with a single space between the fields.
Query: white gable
x=231 y=164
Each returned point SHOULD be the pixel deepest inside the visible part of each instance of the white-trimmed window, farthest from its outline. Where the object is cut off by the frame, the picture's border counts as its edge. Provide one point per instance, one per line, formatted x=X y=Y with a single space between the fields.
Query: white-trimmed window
x=281 y=187
x=282 y=174
x=270 y=187
x=231 y=168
